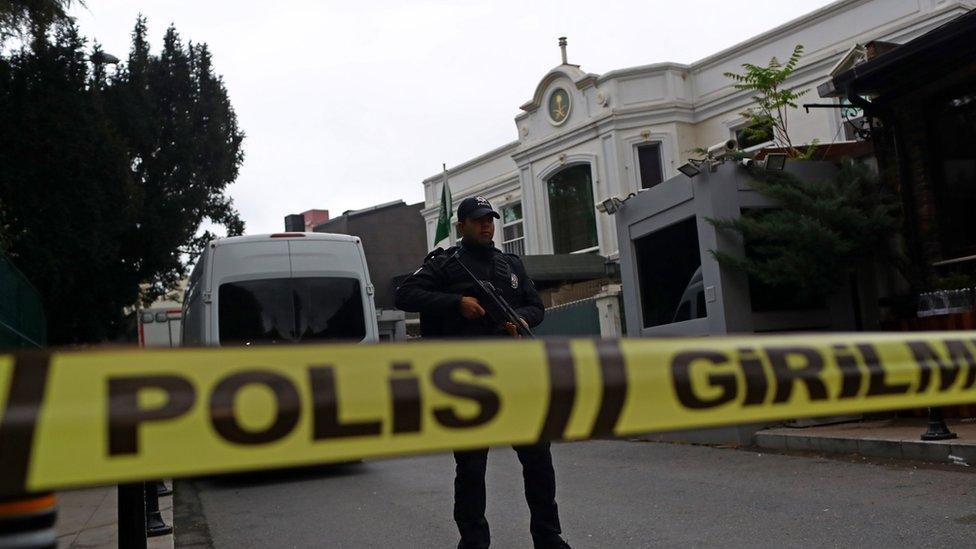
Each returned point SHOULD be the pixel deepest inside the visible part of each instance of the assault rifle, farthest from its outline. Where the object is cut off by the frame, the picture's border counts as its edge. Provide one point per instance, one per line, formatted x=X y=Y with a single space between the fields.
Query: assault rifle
x=494 y=304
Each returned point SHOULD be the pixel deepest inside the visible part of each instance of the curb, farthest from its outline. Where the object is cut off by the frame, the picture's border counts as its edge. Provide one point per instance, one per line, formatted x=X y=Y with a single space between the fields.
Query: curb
x=918 y=450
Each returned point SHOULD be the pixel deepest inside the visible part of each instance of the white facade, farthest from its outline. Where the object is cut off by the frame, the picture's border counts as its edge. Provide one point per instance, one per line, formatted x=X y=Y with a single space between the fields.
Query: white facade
x=679 y=107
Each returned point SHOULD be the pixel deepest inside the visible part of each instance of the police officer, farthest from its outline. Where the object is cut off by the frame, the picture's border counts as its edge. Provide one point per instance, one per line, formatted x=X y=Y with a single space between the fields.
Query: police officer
x=443 y=294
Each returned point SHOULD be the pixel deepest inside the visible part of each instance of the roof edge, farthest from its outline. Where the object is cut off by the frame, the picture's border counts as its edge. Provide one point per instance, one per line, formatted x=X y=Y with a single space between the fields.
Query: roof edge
x=490 y=155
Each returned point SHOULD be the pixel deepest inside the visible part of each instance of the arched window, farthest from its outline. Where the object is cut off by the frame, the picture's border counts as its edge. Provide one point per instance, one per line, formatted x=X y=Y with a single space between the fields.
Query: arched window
x=571 y=210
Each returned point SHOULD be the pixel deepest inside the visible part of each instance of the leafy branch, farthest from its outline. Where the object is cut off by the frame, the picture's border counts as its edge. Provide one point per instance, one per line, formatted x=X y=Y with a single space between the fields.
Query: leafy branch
x=772 y=100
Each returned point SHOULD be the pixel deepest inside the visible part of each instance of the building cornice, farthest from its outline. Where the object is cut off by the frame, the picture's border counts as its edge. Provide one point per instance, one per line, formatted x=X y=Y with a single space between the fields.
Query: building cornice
x=805 y=20
x=561 y=140
x=642 y=70
x=500 y=184
x=702 y=107
x=493 y=154
x=830 y=10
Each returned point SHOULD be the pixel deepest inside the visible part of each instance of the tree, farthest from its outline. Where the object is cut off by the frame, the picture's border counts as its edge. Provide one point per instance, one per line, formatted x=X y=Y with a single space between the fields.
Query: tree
x=65 y=188
x=820 y=230
x=769 y=115
x=105 y=180
x=185 y=148
x=36 y=16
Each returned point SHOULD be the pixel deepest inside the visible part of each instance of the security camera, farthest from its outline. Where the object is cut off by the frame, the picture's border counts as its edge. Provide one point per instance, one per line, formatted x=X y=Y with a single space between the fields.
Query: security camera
x=747 y=162
x=720 y=150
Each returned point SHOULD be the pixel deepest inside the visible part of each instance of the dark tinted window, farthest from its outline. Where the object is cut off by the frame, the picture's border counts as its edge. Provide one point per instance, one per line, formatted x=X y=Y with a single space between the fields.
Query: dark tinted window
x=702 y=311
x=668 y=263
x=955 y=182
x=290 y=310
x=683 y=313
x=751 y=136
x=649 y=157
x=571 y=210
x=329 y=308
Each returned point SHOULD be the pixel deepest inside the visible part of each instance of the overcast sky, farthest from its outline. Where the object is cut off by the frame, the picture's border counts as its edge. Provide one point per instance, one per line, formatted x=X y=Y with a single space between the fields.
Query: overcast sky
x=350 y=104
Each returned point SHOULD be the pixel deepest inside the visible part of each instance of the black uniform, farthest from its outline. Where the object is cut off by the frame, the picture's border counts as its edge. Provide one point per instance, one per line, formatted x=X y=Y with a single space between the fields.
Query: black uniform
x=435 y=291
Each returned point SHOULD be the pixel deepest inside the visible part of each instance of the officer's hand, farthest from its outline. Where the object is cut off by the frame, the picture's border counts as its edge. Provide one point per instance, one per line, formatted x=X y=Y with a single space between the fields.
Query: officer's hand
x=512 y=330
x=471 y=309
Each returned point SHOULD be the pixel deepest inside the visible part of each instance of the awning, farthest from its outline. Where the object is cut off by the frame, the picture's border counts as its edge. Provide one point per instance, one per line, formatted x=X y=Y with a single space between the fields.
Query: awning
x=936 y=53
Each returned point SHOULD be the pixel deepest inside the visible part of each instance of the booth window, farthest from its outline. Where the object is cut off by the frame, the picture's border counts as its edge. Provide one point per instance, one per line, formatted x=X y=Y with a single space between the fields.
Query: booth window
x=571 y=210
x=669 y=274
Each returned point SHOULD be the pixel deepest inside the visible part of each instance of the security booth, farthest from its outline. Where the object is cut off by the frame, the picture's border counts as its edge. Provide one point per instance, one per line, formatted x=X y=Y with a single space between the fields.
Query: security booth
x=674 y=286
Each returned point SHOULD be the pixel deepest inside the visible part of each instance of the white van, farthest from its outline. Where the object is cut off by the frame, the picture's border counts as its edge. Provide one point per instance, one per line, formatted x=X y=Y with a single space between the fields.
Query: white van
x=160 y=326
x=279 y=288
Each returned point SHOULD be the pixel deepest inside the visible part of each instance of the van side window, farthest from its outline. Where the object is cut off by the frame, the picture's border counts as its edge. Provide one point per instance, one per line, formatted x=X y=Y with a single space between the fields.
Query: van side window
x=191 y=328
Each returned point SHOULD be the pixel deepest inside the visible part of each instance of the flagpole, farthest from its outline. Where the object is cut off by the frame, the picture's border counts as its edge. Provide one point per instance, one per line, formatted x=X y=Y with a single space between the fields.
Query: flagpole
x=443 y=230
x=446 y=191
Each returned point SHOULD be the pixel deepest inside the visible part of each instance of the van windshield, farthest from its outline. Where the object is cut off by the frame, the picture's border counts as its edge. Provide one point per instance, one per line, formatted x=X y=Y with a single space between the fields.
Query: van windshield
x=290 y=310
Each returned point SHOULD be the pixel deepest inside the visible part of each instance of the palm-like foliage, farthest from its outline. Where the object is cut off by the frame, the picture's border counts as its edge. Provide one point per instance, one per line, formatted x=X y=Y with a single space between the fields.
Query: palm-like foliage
x=772 y=99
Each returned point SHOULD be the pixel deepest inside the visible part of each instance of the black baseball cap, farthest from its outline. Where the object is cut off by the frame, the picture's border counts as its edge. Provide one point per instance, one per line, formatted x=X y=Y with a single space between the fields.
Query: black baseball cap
x=475 y=207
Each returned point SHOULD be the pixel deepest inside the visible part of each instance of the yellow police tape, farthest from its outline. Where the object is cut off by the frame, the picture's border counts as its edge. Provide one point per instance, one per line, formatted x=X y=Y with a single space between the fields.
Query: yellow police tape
x=106 y=416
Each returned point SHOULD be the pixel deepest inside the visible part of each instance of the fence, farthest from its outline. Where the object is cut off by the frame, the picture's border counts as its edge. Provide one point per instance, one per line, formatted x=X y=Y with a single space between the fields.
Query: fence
x=22 y=321
x=578 y=318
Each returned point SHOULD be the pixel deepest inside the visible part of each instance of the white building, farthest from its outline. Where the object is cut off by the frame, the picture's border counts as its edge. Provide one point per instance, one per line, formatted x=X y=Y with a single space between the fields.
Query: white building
x=584 y=137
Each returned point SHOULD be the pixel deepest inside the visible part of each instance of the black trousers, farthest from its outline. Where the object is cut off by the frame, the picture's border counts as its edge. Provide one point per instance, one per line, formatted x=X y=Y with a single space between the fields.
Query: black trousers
x=540 y=493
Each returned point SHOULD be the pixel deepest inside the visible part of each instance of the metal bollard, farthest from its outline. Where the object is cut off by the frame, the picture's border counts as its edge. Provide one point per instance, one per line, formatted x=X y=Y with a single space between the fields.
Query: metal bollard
x=132 y=516
x=162 y=490
x=938 y=430
x=155 y=526
x=27 y=522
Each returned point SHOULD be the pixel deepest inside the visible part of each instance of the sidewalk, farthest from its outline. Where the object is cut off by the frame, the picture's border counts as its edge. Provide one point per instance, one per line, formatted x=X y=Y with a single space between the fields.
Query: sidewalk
x=893 y=438
x=88 y=518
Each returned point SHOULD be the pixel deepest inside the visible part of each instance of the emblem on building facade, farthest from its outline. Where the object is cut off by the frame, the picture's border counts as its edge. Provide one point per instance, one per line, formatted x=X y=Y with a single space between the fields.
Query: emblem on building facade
x=559 y=106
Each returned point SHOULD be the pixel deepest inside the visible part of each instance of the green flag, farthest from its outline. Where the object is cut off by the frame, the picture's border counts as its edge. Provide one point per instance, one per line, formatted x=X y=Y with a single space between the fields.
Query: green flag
x=447 y=211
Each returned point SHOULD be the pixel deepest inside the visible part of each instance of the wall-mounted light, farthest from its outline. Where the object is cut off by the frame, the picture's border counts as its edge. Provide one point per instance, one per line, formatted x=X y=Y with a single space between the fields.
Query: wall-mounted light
x=689 y=169
x=610 y=205
x=775 y=162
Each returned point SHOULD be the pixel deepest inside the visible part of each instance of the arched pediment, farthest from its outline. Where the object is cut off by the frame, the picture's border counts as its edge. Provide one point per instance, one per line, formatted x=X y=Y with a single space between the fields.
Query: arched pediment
x=572 y=73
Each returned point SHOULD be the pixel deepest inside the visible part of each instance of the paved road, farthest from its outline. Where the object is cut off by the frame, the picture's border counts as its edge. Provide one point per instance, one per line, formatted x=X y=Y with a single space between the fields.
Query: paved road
x=611 y=494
